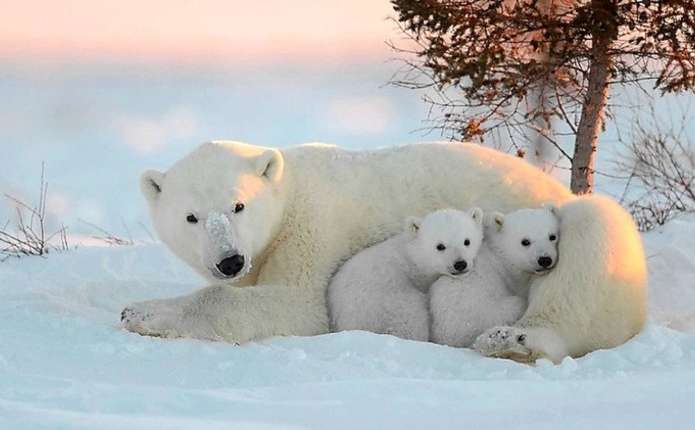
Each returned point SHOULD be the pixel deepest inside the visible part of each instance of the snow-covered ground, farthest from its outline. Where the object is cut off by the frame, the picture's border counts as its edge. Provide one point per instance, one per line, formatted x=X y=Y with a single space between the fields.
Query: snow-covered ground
x=65 y=363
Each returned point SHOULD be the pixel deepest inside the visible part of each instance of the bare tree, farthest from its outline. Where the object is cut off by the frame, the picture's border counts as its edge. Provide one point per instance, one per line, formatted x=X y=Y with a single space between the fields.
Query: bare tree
x=485 y=59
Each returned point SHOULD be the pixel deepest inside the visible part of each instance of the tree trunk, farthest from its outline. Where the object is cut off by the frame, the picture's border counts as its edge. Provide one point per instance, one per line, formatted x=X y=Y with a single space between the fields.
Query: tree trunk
x=591 y=121
x=544 y=151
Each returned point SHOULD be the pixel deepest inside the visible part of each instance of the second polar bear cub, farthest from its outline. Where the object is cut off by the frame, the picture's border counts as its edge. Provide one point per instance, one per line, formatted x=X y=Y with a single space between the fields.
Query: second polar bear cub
x=383 y=289
x=516 y=247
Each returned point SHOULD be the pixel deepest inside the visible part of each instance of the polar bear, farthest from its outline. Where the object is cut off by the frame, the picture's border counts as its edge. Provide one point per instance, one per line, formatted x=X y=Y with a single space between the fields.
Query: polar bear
x=516 y=247
x=294 y=214
x=383 y=288
x=618 y=259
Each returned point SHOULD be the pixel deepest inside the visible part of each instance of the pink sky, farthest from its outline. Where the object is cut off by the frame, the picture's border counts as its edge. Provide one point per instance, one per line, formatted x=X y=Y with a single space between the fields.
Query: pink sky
x=192 y=31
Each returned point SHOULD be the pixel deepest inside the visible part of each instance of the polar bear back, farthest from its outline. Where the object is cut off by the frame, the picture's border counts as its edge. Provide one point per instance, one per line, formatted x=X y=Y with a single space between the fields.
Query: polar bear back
x=345 y=201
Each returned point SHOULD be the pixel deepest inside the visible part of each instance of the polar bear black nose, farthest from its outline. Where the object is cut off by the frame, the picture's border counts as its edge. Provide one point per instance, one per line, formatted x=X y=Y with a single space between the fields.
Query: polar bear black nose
x=230 y=266
x=545 y=262
x=460 y=265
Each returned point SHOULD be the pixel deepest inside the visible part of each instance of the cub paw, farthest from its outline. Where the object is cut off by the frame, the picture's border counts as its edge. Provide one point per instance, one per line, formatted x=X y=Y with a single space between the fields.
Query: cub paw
x=504 y=342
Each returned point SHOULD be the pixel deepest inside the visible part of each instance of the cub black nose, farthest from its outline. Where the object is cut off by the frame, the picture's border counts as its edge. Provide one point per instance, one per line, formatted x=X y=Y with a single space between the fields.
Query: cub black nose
x=545 y=262
x=460 y=265
x=230 y=266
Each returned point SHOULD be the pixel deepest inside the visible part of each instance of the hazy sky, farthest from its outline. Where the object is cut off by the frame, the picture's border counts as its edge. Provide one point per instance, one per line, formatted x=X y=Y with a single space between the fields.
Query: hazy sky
x=102 y=90
x=218 y=31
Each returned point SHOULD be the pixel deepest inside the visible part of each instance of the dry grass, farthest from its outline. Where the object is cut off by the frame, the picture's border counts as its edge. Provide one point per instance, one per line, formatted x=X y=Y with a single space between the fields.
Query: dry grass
x=109 y=238
x=28 y=234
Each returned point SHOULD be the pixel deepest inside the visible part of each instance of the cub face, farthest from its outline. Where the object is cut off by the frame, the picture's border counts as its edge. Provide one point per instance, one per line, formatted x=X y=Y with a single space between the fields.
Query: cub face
x=527 y=238
x=446 y=241
x=219 y=207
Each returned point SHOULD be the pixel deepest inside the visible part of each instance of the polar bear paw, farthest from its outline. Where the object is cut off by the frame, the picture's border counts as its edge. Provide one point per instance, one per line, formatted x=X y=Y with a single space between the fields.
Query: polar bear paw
x=505 y=342
x=149 y=319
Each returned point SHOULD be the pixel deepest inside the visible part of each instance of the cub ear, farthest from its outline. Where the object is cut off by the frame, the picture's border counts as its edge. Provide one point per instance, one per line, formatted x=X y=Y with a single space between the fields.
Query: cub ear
x=270 y=164
x=477 y=215
x=151 y=184
x=412 y=225
x=552 y=208
x=496 y=219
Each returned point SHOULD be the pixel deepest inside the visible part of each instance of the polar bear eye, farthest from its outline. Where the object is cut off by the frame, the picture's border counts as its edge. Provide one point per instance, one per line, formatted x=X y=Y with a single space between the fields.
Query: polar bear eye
x=525 y=242
x=192 y=219
x=552 y=237
x=466 y=242
x=441 y=247
x=239 y=207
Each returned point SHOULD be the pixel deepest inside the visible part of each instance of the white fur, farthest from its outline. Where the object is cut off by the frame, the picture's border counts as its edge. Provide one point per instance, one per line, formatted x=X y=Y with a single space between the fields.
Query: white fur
x=462 y=308
x=308 y=208
x=595 y=295
x=383 y=289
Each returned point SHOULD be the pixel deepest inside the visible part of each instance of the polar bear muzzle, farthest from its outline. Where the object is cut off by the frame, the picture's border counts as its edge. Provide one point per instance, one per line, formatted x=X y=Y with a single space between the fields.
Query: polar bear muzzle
x=231 y=266
x=223 y=255
x=545 y=262
x=460 y=267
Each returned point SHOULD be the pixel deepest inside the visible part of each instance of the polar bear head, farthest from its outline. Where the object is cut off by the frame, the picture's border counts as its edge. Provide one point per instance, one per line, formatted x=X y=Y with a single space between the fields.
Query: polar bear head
x=445 y=242
x=527 y=239
x=218 y=208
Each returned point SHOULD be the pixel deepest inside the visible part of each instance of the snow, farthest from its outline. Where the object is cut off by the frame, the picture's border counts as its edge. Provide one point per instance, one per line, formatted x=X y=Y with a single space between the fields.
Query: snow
x=671 y=259
x=65 y=362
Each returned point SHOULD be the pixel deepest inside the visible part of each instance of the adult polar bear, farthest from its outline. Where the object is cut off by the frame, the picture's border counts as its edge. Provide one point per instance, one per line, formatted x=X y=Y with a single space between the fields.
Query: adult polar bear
x=268 y=228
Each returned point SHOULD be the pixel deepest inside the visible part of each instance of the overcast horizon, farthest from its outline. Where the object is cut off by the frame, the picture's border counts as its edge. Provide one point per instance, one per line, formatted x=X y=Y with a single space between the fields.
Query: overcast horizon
x=105 y=90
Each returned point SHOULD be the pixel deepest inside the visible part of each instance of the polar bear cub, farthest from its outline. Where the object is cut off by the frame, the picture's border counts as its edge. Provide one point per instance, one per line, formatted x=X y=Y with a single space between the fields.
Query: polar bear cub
x=383 y=288
x=516 y=247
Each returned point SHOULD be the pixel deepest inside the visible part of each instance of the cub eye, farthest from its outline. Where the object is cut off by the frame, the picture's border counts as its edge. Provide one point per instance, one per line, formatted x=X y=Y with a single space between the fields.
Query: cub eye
x=192 y=219
x=552 y=237
x=239 y=207
x=466 y=242
x=525 y=242
x=441 y=247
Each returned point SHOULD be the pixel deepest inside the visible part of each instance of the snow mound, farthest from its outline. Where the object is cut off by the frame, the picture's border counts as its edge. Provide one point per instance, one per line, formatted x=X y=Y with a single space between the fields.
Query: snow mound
x=671 y=260
x=65 y=362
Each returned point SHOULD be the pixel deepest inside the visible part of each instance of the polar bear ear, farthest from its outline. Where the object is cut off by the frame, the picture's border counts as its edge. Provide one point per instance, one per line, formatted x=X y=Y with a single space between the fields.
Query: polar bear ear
x=412 y=225
x=552 y=208
x=497 y=220
x=477 y=215
x=151 y=184
x=270 y=164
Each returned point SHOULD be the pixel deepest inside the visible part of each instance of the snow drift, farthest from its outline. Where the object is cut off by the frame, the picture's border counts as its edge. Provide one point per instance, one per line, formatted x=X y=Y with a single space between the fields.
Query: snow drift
x=65 y=362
